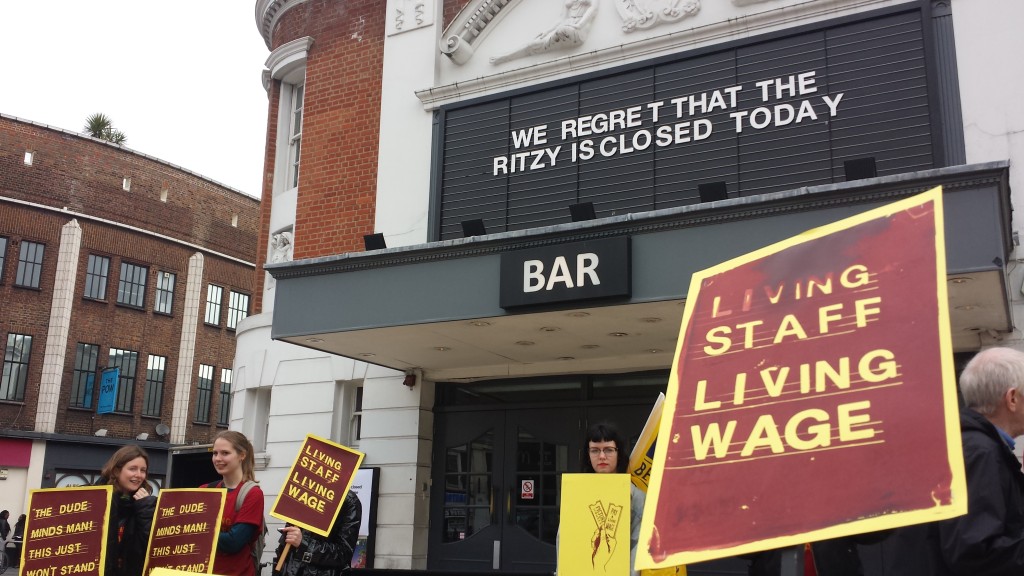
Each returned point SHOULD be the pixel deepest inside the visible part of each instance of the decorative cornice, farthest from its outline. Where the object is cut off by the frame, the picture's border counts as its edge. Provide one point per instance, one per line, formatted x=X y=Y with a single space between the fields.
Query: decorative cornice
x=286 y=59
x=470 y=26
x=268 y=12
x=734 y=209
x=678 y=40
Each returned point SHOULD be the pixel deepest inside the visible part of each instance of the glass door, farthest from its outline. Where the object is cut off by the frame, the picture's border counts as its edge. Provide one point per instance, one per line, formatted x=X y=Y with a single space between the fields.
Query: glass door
x=496 y=489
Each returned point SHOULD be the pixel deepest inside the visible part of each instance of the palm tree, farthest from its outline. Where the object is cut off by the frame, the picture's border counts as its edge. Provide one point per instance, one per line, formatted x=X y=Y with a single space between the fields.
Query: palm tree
x=100 y=126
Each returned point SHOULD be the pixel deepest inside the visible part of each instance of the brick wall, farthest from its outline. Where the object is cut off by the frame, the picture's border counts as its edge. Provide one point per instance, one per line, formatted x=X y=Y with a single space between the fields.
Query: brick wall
x=338 y=174
x=451 y=9
x=86 y=175
x=268 y=193
x=197 y=211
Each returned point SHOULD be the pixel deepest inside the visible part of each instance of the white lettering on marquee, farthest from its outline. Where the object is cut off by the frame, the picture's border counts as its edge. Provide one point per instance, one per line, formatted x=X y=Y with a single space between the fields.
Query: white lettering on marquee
x=634 y=129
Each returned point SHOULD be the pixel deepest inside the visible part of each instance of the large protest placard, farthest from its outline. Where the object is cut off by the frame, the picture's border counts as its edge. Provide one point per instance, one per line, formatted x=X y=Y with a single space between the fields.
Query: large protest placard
x=813 y=393
x=185 y=530
x=316 y=485
x=66 y=531
x=593 y=533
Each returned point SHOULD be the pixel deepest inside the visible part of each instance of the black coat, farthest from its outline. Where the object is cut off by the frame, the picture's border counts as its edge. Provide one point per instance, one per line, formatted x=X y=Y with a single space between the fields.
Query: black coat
x=128 y=534
x=835 y=557
x=989 y=539
x=320 y=556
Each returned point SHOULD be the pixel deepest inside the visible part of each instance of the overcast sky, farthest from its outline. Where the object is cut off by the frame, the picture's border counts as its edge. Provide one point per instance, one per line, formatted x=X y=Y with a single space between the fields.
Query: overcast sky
x=180 y=79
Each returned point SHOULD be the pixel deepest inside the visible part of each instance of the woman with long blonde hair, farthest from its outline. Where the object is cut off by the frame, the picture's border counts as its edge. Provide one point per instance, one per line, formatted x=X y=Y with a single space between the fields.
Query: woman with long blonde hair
x=241 y=523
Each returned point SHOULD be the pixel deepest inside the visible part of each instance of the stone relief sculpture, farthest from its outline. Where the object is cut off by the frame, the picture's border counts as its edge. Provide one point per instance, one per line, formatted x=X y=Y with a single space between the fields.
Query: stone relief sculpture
x=469 y=28
x=281 y=247
x=570 y=31
x=748 y=2
x=643 y=14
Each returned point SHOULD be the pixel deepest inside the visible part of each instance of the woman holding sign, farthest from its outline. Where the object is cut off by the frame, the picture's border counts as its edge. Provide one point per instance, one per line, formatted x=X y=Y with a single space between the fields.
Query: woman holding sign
x=241 y=523
x=131 y=511
x=608 y=453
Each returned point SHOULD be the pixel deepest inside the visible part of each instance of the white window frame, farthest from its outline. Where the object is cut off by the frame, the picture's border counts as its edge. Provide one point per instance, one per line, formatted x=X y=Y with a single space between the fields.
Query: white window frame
x=213 y=305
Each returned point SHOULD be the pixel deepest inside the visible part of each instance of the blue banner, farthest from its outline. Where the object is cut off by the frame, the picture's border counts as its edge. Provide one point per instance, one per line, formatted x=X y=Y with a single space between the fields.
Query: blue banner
x=108 y=390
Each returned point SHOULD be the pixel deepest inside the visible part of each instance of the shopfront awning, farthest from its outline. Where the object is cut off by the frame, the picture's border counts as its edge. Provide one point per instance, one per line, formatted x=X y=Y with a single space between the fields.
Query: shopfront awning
x=439 y=308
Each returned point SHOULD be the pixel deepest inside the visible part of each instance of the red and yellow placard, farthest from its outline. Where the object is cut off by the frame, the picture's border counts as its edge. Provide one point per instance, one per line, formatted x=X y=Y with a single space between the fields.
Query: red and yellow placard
x=66 y=531
x=316 y=485
x=813 y=394
x=185 y=530
x=593 y=532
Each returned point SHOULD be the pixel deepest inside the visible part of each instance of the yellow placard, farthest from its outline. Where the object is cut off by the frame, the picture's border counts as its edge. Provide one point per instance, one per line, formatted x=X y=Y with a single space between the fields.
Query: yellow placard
x=594 y=528
x=171 y=572
x=641 y=459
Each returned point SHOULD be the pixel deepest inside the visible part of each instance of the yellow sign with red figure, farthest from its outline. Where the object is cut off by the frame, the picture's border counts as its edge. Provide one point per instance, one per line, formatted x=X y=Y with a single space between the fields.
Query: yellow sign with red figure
x=317 y=483
x=813 y=393
x=593 y=534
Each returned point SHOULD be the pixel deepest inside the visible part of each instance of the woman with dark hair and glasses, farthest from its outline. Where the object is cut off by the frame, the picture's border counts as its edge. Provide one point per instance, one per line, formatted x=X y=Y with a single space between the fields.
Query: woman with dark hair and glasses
x=608 y=453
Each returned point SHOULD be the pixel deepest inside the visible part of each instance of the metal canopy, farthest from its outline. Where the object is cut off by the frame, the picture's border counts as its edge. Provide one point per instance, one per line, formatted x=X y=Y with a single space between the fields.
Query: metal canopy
x=434 y=307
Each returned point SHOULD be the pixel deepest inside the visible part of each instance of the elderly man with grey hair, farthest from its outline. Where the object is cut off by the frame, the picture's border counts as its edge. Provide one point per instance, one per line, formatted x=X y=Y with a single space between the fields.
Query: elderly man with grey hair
x=989 y=539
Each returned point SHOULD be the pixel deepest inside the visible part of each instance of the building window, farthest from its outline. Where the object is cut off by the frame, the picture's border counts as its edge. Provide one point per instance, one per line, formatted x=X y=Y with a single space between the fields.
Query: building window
x=3 y=256
x=16 y=357
x=153 y=394
x=164 y=292
x=295 y=136
x=205 y=393
x=225 y=397
x=238 y=308
x=126 y=360
x=30 y=157
x=131 y=289
x=84 y=378
x=96 y=277
x=356 y=431
x=30 y=264
x=214 y=294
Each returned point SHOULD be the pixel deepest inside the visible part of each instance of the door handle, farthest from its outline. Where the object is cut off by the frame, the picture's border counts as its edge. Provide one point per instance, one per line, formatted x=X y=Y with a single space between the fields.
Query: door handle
x=508 y=506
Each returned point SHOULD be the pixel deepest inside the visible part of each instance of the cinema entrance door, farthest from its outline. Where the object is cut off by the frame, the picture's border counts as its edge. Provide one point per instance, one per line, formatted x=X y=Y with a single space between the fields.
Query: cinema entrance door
x=500 y=449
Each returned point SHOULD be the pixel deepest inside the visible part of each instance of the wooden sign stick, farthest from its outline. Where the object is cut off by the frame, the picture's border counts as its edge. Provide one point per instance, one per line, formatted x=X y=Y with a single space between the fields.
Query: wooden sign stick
x=284 y=554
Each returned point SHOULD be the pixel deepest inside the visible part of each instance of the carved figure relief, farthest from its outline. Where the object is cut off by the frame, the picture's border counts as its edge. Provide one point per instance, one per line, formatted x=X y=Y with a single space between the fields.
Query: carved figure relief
x=281 y=247
x=643 y=14
x=569 y=32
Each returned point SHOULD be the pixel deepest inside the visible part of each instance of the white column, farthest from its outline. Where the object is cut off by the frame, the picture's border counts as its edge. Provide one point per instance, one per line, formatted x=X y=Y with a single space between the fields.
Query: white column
x=187 y=348
x=60 y=326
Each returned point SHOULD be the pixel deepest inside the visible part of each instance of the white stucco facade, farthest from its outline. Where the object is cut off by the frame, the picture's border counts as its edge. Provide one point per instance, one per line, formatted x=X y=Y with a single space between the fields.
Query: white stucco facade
x=283 y=392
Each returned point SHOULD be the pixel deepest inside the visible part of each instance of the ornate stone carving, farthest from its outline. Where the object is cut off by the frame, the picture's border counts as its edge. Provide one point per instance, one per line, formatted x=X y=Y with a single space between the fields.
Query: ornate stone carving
x=643 y=14
x=468 y=28
x=281 y=247
x=570 y=31
x=748 y=2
